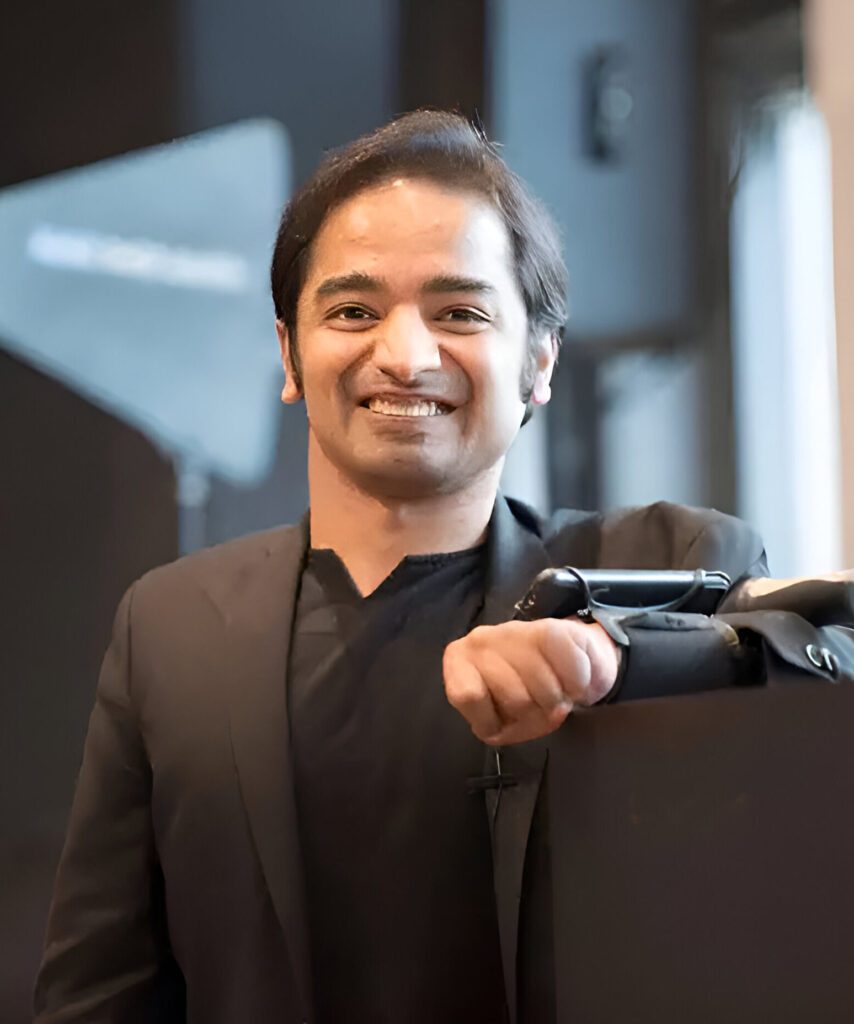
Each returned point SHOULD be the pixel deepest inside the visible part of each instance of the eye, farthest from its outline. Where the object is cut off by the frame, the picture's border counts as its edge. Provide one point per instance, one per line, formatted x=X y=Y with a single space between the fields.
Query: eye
x=351 y=315
x=464 y=318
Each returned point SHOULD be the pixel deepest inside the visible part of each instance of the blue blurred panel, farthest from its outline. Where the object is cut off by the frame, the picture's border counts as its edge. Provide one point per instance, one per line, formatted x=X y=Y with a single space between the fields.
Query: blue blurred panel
x=627 y=223
x=142 y=283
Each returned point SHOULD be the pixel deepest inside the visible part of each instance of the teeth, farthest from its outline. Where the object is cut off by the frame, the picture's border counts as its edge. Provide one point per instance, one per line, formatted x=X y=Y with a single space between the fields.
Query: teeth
x=389 y=407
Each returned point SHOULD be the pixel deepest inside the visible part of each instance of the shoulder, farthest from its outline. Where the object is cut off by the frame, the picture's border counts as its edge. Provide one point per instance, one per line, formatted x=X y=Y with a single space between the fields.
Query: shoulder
x=661 y=535
x=684 y=537
x=216 y=573
x=678 y=533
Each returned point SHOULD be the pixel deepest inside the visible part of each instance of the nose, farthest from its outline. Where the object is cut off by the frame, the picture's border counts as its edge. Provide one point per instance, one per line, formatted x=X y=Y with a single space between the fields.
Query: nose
x=405 y=347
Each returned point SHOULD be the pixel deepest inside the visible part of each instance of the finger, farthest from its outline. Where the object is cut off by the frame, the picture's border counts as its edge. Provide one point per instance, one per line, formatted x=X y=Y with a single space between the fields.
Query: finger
x=506 y=687
x=522 y=717
x=583 y=656
x=517 y=643
x=539 y=679
x=559 y=646
x=531 y=726
x=467 y=692
x=604 y=656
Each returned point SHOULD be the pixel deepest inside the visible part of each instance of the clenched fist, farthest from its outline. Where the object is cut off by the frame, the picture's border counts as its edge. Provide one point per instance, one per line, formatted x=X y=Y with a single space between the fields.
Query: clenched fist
x=519 y=680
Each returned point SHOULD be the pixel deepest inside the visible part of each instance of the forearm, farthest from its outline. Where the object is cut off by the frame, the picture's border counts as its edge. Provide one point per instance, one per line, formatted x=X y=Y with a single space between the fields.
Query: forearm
x=667 y=654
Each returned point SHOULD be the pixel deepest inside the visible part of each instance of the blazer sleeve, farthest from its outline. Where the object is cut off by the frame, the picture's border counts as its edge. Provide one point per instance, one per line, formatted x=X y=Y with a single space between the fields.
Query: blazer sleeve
x=106 y=937
x=794 y=636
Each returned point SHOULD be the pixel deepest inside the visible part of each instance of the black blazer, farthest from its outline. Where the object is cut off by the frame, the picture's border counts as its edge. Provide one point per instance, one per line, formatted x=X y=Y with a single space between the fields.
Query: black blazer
x=182 y=847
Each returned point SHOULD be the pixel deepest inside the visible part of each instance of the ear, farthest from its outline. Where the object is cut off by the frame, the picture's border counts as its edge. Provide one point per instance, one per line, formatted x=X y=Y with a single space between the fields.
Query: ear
x=292 y=391
x=541 y=391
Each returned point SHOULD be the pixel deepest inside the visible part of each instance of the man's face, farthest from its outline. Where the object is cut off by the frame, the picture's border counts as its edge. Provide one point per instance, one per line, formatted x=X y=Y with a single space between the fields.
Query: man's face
x=413 y=336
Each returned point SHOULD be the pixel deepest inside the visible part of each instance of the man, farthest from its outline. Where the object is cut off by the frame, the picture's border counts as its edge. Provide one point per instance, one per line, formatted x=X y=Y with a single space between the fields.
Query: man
x=281 y=801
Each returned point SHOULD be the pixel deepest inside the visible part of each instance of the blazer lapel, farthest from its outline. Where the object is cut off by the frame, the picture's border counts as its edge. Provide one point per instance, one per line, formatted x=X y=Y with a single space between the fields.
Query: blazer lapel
x=516 y=555
x=259 y=615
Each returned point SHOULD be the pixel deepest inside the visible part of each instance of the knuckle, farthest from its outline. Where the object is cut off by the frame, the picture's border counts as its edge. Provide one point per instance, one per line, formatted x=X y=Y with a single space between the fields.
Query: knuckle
x=479 y=636
x=554 y=628
x=558 y=715
x=554 y=633
x=462 y=696
x=594 y=691
x=450 y=657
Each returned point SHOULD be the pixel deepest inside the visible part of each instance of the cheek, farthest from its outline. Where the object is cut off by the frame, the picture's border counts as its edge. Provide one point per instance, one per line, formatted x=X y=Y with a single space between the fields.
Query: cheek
x=323 y=364
x=492 y=362
x=317 y=386
x=502 y=372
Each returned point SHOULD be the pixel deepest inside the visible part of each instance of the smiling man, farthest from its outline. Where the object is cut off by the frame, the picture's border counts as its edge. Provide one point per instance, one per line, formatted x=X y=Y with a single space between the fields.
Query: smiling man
x=281 y=812
x=410 y=350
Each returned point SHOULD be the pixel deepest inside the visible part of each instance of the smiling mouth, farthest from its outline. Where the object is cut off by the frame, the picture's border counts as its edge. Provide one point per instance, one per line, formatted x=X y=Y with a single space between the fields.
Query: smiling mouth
x=400 y=407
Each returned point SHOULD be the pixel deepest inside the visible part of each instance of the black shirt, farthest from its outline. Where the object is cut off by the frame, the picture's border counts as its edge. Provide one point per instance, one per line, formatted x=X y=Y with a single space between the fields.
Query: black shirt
x=396 y=851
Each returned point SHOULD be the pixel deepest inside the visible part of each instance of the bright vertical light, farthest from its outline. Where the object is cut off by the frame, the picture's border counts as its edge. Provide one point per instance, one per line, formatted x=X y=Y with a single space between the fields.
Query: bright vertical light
x=784 y=349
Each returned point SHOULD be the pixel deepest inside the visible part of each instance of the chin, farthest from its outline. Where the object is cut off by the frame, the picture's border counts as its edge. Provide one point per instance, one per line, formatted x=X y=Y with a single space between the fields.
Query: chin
x=408 y=482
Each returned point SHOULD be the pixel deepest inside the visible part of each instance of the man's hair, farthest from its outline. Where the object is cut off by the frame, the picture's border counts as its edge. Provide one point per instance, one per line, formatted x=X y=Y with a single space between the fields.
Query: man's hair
x=444 y=148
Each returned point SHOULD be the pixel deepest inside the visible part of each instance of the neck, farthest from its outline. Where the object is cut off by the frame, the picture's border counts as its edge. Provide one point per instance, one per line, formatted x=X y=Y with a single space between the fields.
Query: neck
x=371 y=532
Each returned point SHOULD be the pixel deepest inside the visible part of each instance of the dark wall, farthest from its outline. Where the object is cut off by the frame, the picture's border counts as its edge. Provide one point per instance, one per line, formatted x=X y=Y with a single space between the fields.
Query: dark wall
x=84 y=81
x=87 y=507
x=87 y=504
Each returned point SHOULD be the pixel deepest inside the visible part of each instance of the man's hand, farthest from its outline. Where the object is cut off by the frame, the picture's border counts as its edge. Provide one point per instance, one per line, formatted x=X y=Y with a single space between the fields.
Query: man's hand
x=520 y=680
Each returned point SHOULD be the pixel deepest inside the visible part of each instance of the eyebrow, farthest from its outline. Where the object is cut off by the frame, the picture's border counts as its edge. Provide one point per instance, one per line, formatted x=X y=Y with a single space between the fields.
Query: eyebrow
x=357 y=281
x=455 y=283
x=442 y=283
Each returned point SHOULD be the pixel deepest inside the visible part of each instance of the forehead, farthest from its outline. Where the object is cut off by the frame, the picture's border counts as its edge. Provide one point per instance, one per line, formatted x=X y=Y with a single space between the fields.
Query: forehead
x=411 y=228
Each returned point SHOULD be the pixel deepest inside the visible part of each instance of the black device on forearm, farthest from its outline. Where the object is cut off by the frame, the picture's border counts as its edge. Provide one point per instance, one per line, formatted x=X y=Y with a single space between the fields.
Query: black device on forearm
x=559 y=593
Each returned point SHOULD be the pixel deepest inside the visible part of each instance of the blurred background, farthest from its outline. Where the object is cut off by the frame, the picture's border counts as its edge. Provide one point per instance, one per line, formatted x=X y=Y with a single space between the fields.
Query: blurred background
x=694 y=152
